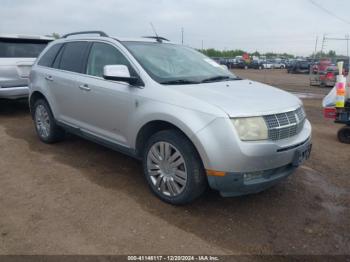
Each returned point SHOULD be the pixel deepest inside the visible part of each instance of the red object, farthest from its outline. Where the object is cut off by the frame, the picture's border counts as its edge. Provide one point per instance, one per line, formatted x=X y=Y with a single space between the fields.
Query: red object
x=321 y=66
x=330 y=75
x=245 y=56
x=329 y=112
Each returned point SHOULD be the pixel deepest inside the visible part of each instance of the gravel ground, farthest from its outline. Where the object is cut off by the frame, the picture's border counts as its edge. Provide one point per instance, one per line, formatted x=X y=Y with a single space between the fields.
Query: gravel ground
x=77 y=197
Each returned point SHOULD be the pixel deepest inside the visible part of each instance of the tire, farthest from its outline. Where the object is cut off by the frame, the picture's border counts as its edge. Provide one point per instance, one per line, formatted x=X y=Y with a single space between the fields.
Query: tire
x=45 y=125
x=175 y=185
x=344 y=135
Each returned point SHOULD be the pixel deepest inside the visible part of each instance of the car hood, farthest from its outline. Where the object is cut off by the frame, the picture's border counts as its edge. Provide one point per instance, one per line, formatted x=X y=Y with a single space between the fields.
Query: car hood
x=240 y=98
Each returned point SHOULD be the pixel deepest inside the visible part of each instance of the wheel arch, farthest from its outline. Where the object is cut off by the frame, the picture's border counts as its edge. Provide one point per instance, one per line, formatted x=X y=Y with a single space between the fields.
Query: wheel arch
x=154 y=126
x=34 y=97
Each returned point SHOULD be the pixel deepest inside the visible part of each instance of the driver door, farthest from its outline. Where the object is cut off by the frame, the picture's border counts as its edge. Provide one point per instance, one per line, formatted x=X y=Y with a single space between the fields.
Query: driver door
x=108 y=104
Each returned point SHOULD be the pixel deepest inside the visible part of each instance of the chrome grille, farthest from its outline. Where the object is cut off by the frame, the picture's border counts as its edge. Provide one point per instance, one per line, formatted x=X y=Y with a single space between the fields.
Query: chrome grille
x=284 y=125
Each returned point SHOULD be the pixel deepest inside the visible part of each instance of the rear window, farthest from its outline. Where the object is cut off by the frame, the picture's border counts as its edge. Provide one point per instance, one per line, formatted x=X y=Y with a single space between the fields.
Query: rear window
x=74 y=56
x=21 y=47
x=48 y=58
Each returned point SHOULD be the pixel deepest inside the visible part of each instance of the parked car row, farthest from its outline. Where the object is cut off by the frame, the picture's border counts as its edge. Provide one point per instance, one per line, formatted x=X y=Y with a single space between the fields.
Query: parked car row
x=254 y=64
x=184 y=116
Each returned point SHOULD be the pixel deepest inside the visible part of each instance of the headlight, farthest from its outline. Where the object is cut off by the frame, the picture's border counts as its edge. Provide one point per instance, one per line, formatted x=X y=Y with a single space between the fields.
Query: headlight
x=251 y=128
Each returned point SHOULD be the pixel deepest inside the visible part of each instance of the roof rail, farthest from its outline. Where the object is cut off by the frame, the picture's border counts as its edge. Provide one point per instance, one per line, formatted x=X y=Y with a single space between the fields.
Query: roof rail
x=159 y=39
x=101 y=33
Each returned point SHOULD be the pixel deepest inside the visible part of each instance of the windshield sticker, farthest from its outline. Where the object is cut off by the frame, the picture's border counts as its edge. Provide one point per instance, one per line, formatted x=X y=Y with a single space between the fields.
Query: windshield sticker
x=211 y=62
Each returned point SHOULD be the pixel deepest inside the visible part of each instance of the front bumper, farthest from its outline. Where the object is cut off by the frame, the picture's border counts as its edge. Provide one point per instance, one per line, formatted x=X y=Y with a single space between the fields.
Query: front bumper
x=221 y=150
x=236 y=184
x=14 y=92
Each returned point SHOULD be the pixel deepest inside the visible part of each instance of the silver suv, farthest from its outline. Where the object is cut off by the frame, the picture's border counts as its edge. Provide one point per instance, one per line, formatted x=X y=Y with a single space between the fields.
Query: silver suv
x=17 y=55
x=190 y=121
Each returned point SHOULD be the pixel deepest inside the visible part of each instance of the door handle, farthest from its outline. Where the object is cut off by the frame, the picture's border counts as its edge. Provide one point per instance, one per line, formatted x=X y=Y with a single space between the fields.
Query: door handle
x=49 y=78
x=85 y=87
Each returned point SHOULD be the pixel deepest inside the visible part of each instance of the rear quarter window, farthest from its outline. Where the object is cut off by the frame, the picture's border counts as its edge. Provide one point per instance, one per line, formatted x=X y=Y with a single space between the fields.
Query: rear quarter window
x=74 y=57
x=12 y=47
x=48 y=58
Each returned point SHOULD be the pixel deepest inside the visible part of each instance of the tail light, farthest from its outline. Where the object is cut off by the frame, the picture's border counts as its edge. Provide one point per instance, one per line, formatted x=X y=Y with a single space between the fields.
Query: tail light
x=329 y=112
x=329 y=75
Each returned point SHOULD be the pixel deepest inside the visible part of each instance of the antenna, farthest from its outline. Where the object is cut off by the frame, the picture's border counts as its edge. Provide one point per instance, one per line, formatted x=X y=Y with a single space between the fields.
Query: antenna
x=154 y=30
x=158 y=38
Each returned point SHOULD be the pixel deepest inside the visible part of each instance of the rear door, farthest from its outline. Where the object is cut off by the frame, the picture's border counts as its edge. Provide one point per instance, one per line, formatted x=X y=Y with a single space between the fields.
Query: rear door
x=16 y=59
x=63 y=82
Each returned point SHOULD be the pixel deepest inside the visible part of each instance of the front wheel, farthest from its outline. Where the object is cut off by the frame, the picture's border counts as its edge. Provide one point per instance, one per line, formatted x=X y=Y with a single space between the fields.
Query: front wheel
x=173 y=169
x=344 y=135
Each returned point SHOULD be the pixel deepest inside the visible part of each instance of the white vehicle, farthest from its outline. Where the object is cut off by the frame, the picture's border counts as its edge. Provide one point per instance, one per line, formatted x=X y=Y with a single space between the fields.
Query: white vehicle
x=273 y=64
x=17 y=55
x=191 y=122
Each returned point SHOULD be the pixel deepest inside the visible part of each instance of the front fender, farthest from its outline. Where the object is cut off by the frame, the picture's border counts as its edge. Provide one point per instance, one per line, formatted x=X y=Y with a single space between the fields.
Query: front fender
x=187 y=120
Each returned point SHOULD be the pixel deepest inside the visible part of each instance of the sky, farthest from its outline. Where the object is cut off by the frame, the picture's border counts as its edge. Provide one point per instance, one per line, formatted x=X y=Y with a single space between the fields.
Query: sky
x=262 y=25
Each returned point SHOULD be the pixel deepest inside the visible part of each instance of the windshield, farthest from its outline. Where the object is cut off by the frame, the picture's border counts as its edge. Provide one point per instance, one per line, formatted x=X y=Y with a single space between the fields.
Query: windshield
x=21 y=47
x=175 y=64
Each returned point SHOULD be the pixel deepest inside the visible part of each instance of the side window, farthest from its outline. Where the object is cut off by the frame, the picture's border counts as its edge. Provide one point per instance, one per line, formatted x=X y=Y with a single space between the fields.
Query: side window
x=73 y=56
x=50 y=55
x=56 y=63
x=102 y=54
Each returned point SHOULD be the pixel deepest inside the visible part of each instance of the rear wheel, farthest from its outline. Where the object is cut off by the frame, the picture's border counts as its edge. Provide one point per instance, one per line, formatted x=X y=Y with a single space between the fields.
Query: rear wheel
x=344 y=135
x=172 y=168
x=45 y=124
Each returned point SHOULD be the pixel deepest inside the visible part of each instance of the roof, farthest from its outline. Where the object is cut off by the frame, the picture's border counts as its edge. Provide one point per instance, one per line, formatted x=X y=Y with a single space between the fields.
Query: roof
x=137 y=39
x=34 y=37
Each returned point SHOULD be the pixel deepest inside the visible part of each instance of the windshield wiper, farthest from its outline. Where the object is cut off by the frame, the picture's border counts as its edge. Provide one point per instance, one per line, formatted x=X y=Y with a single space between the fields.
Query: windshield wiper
x=179 y=82
x=219 y=78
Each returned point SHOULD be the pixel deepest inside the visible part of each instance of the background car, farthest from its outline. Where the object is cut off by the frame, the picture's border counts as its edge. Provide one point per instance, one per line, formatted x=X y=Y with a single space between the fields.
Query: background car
x=299 y=67
x=17 y=55
x=278 y=65
x=268 y=64
x=257 y=64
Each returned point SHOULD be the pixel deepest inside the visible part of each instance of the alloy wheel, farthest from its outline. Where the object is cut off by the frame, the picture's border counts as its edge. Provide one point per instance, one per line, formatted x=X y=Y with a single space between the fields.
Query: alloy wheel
x=42 y=121
x=167 y=169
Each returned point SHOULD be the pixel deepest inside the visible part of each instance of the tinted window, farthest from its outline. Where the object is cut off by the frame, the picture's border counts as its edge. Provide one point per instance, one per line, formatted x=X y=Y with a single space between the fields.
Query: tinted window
x=104 y=54
x=21 y=47
x=73 y=56
x=56 y=63
x=48 y=58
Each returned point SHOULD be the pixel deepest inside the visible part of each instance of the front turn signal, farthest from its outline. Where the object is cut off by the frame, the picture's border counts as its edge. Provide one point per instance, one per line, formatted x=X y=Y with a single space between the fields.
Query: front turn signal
x=215 y=173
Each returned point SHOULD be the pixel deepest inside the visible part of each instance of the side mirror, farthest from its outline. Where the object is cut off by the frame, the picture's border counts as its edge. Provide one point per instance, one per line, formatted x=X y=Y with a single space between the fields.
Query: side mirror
x=119 y=73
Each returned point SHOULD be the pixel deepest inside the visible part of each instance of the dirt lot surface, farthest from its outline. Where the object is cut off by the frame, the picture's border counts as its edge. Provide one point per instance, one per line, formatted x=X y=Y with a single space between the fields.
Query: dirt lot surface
x=76 y=197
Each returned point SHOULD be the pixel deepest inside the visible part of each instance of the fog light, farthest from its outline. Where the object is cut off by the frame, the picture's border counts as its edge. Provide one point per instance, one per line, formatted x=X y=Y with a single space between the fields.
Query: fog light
x=253 y=175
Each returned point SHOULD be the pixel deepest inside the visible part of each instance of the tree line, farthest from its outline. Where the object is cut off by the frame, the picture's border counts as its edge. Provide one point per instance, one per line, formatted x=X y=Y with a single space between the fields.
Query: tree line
x=238 y=52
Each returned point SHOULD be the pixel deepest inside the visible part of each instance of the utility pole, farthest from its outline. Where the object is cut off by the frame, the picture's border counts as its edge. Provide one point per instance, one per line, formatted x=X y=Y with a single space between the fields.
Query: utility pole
x=315 y=48
x=347 y=45
x=347 y=49
x=202 y=46
x=182 y=35
x=323 y=40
